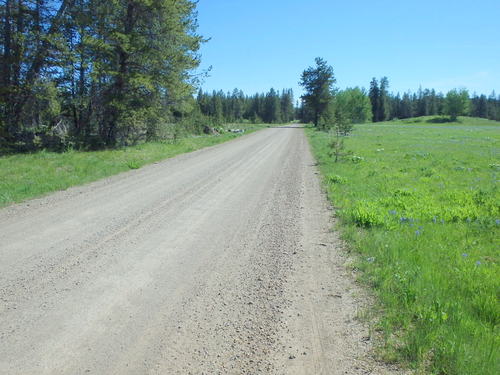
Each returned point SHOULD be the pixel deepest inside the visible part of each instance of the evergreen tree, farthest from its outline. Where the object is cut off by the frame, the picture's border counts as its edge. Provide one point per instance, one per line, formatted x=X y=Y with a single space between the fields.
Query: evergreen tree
x=287 y=109
x=406 y=110
x=374 y=95
x=272 y=111
x=384 y=105
x=479 y=106
x=493 y=112
x=318 y=82
x=433 y=103
x=106 y=70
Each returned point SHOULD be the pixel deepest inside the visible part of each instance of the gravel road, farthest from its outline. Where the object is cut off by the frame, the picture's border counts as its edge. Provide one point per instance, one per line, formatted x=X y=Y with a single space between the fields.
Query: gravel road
x=219 y=261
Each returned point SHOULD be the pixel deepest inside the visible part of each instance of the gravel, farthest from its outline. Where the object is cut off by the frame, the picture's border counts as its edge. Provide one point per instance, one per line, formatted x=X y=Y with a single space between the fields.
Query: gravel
x=219 y=261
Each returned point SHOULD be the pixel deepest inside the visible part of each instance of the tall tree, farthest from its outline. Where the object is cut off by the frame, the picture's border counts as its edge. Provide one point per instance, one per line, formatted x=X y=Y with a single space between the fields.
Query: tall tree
x=374 y=95
x=384 y=105
x=287 y=109
x=107 y=70
x=272 y=112
x=318 y=82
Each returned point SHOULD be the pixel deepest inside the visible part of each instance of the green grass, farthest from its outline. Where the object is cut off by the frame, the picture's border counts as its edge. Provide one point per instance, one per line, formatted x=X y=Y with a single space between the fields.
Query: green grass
x=25 y=176
x=418 y=203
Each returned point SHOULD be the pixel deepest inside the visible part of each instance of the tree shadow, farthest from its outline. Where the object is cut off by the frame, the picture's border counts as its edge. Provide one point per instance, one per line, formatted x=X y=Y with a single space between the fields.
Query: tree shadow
x=287 y=127
x=440 y=120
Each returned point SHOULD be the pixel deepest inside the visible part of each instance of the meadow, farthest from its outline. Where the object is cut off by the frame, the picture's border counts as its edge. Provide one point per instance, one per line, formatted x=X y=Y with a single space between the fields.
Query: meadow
x=25 y=176
x=418 y=205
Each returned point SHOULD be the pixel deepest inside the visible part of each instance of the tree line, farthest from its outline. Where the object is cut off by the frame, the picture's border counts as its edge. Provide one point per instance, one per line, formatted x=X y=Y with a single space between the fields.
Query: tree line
x=271 y=107
x=323 y=104
x=94 y=73
x=427 y=102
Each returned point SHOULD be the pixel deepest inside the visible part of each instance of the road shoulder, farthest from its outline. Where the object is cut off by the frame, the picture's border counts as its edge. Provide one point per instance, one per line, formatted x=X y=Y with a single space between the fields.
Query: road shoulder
x=323 y=333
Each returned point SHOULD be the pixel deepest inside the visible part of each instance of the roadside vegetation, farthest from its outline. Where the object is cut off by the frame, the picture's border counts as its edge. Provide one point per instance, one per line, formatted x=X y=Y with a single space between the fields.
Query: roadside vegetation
x=25 y=176
x=94 y=75
x=418 y=202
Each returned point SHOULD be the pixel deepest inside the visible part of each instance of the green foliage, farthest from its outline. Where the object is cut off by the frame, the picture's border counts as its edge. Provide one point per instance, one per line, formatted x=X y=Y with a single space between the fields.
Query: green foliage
x=380 y=99
x=457 y=103
x=318 y=84
x=272 y=107
x=374 y=94
x=336 y=179
x=339 y=127
x=355 y=104
x=104 y=71
x=421 y=211
x=426 y=102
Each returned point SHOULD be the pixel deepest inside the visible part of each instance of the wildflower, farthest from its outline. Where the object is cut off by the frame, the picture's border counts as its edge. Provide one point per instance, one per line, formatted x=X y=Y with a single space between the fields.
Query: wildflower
x=434 y=219
x=417 y=232
x=465 y=255
x=468 y=220
x=497 y=221
x=392 y=212
x=478 y=263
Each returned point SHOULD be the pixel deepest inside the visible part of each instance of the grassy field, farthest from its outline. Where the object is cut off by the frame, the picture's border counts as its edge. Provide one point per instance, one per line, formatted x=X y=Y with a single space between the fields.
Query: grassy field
x=418 y=201
x=27 y=176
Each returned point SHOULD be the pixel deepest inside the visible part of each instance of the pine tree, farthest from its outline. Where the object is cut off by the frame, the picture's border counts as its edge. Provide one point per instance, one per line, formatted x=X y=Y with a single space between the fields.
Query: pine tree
x=406 y=106
x=318 y=84
x=374 y=95
x=384 y=105
x=287 y=109
x=108 y=70
x=272 y=112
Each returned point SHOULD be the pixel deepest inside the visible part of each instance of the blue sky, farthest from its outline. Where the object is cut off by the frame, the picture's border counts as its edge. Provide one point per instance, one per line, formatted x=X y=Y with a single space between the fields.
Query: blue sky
x=441 y=44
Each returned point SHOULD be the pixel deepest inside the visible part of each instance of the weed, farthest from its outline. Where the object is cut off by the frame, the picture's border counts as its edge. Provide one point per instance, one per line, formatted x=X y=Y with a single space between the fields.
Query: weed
x=336 y=179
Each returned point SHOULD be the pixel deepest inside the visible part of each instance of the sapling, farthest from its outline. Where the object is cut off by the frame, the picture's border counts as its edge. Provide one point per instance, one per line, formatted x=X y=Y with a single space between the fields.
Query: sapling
x=340 y=128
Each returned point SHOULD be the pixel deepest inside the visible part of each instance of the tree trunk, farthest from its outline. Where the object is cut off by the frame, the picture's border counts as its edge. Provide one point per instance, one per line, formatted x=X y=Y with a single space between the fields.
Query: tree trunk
x=120 y=81
x=7 y=46
x=37 y=64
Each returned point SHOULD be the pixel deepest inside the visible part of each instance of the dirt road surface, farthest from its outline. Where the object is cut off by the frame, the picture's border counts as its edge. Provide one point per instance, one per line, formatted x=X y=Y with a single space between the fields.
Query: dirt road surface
x=220 y=261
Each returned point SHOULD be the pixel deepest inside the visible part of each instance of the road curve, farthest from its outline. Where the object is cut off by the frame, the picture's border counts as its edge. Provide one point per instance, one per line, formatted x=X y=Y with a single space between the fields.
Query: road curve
x=218 y=261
